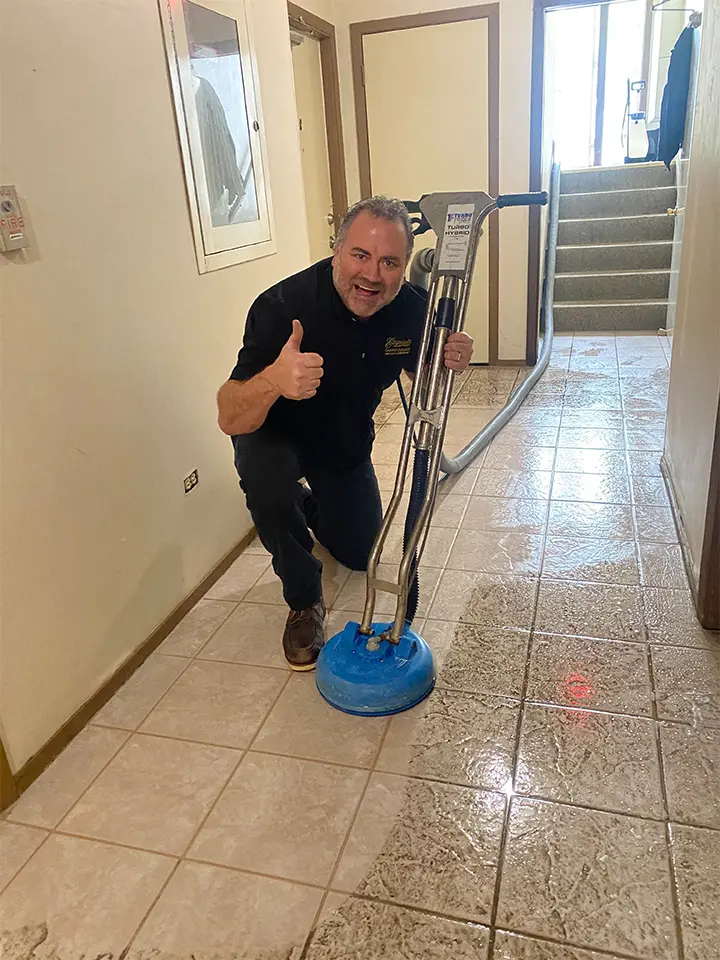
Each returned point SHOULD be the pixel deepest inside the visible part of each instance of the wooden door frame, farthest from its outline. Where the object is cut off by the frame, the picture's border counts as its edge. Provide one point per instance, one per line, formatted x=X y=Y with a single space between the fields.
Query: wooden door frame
x=305 y=22
x=491 y=13
x=708 y=598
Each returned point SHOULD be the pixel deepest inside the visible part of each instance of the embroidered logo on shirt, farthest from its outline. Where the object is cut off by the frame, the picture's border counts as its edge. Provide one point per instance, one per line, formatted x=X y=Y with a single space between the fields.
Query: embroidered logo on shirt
x=397 y=348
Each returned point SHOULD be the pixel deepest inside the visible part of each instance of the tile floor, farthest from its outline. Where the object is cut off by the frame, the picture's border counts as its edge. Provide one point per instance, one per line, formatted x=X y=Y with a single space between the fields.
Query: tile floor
x=557 y=798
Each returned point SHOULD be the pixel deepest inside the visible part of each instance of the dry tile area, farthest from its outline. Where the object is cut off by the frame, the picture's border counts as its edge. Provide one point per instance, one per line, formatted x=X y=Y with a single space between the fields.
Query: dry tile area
x=556 y=798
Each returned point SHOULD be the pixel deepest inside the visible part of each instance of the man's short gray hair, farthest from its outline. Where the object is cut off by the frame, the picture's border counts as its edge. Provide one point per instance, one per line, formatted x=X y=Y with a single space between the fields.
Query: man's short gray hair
x=386 y=208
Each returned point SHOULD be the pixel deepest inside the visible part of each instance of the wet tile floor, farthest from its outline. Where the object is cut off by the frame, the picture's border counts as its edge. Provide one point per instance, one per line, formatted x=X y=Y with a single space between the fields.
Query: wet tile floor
x=557 y=797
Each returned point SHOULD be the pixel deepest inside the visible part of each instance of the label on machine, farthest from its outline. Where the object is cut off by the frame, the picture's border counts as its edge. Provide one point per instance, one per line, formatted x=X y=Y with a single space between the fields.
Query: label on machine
x=456 y=236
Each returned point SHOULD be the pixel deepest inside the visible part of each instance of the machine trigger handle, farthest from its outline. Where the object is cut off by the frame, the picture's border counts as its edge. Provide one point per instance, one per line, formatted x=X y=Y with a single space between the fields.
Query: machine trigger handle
x=539 y=199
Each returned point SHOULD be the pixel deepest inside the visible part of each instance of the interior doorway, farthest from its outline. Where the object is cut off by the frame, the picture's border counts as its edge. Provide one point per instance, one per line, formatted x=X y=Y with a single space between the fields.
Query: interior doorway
x=317 y=97
x=413 y=151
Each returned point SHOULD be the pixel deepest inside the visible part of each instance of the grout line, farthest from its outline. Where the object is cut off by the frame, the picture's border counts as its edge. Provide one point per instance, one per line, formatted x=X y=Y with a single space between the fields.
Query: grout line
x=573 y=945
x=504 y=836
x=22 y=866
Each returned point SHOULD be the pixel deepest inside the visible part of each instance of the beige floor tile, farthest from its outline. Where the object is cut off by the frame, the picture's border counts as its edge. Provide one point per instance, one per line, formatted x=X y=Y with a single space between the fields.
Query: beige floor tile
x=48 y=799
x=596 y=520
x=644 y=438
x=592 y=419
x=134 y=701
x=428 y=845
x=437 y=547
x=486 y=599
x=644 y=464
x=525 y=484
x=301 y=724
x=255 y=547
x=282 y=816
x=17 y=844
x=338 y=619
x=595 y=674
x=360 y=929
x=603 y=462
x=477 y=659
x=464 y=482
x=385 y=453
x=687 y=684
x=596 y=879
x=608 y=561
x=656 y=523
x=512 y=456
x=506 y=514
x=492 y=552
x=79 y=899
x=591 y=487
x=605 y=400
x=696 y=855
x=593 y=759
x=455 y=737
x=154 y=794
x=352 y=596
x=527 y=416
x=671 y=618
x=513 y=946
x=450 y=510
x=268 y=589
x=604 y=610
x=252 y=635
x=662 y=565
x=238 y=579
x=210 y=912
x=196 y=628
x=220 y=703
x=649 y=491
x=591 y=438
x=526 y=435
x=691 y=763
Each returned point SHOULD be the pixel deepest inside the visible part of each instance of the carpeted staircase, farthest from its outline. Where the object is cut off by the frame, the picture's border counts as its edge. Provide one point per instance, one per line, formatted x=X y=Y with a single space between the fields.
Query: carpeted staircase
x=614 y=248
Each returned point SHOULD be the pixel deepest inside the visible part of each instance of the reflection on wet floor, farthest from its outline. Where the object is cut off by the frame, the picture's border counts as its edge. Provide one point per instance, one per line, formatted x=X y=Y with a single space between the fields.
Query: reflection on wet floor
x=557 y=797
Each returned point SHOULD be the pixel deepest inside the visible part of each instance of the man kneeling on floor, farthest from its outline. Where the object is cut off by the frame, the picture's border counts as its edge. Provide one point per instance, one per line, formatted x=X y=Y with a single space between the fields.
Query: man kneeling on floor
x=319 y=350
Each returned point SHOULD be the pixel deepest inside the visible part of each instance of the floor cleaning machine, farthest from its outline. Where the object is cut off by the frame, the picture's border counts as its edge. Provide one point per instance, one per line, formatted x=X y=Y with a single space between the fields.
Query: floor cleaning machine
x=375 y=669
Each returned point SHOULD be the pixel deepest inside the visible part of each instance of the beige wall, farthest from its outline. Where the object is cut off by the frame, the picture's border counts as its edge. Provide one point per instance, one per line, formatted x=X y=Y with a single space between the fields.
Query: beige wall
x=113 y=347
x=515 y=57
x=695 y=368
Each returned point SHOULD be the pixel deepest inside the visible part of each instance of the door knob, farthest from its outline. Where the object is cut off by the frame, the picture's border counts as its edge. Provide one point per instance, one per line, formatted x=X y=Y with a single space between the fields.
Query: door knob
x=331 y=218
x=675 y=211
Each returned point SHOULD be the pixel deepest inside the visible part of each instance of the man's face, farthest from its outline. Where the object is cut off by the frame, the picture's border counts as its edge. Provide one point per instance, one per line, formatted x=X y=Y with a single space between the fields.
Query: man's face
x=369 y=265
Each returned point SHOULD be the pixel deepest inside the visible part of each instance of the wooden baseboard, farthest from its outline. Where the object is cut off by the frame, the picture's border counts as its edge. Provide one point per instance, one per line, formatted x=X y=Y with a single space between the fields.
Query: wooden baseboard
x=679 y=526
x=12 y=785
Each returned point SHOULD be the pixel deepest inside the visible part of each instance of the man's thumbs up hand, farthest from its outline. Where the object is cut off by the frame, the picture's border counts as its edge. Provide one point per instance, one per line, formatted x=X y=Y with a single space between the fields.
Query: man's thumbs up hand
x=294 y=374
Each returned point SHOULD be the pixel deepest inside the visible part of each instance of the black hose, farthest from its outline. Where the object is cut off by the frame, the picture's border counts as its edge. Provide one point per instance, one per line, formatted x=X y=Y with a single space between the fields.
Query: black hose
x=421 y=469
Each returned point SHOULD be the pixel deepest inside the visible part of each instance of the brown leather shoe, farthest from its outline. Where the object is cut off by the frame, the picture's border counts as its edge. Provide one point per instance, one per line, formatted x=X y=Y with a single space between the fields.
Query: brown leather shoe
x=304 y=637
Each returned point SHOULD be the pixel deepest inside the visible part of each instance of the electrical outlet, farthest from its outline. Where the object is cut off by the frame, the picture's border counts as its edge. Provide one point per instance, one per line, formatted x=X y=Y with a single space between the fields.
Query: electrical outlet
x=191 y=481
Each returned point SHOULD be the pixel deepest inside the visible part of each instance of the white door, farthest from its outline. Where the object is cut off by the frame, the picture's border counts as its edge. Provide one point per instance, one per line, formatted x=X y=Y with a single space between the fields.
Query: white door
x=426 y=90
x=307 y=70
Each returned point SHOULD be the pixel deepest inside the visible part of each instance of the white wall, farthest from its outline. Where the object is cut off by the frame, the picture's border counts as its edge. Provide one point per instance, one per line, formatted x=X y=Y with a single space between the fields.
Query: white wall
x=695 y=368
x=515 y=62
x=113 y=347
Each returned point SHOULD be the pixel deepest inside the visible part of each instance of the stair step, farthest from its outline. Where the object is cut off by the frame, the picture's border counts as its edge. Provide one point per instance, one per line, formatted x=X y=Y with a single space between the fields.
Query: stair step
x=619 y=203
x=657 y=226
x=597 y=258
x=627 y=177
x=608 y=317
x=614 y=285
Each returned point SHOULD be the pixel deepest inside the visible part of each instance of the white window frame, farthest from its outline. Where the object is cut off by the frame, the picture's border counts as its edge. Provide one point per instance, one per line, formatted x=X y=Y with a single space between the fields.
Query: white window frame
x=217 y=247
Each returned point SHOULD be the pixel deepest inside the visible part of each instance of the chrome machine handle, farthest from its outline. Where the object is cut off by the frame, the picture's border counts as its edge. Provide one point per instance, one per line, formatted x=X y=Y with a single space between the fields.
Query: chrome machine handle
x=456 y=218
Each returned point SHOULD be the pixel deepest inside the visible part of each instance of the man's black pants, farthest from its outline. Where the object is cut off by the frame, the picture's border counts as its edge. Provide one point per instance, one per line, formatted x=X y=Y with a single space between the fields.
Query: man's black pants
x=344 y=511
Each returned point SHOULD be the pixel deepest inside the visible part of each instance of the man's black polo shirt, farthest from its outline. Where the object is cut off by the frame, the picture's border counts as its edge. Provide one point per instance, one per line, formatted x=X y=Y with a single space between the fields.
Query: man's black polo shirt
x=361 y=358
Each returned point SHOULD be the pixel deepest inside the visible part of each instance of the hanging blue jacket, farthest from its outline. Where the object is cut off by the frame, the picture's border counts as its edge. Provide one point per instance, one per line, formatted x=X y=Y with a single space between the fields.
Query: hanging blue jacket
x=673 y=110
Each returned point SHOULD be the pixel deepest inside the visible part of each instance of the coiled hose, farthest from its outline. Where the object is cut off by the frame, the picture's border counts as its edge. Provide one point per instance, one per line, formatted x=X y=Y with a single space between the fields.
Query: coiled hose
x=418 y=488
